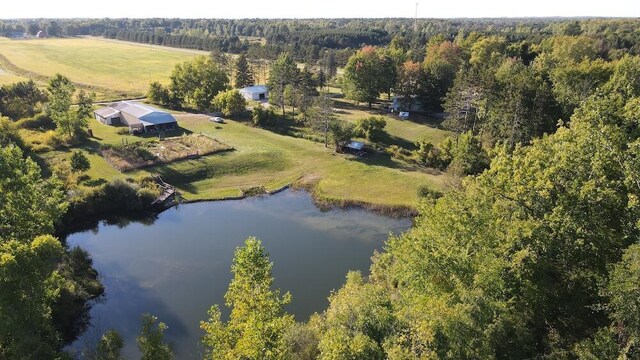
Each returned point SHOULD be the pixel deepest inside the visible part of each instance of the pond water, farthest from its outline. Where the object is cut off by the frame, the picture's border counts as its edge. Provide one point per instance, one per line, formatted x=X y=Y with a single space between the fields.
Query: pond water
x=177 y=264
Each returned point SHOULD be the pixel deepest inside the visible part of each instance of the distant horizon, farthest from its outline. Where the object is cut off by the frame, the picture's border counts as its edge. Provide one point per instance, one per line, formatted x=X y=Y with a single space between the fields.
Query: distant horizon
x=326 y=9
x=335 y=18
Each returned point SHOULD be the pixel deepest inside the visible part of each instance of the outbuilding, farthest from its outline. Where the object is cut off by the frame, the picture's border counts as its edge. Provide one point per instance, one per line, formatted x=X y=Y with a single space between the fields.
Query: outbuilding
x=108 y=115
x=355 y=147
x=256 y=92
x=138 y=117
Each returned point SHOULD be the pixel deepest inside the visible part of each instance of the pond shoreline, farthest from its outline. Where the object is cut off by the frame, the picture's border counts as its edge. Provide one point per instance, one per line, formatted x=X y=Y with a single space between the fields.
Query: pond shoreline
x=321 y=201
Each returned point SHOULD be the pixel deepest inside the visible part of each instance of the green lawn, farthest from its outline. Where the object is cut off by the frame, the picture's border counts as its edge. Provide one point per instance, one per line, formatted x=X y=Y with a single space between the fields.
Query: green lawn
x=264 y=158
x=111 y=68
x=401 y=132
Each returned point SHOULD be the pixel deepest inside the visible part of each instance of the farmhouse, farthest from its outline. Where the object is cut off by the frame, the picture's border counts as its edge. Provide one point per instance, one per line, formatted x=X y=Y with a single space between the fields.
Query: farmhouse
x=138 y=117
x=256 y=92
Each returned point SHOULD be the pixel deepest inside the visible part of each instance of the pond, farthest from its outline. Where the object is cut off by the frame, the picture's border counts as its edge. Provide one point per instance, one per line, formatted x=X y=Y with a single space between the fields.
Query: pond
x=177 y=264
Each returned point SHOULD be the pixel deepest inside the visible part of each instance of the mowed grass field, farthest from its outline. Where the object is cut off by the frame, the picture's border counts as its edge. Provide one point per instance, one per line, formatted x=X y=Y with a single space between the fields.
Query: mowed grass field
x=7 y=77
x=113 y=68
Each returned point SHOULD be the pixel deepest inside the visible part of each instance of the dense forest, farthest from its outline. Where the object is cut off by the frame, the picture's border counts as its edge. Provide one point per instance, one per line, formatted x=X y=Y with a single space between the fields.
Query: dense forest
x=533 y=252
x=311 y=40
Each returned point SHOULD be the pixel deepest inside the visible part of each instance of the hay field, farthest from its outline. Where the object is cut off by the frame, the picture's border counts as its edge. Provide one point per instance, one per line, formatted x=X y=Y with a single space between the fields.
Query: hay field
x=111 y=69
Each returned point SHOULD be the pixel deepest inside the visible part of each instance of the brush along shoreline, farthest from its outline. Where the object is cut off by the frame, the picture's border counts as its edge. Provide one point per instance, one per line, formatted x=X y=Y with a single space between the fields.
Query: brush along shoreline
x=320 y=200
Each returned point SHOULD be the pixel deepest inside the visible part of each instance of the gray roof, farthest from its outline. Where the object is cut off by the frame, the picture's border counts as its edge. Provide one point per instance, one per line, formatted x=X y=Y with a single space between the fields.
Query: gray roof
x=256 y=89
x=106 y=112
x=355 y=145
x=148 y=115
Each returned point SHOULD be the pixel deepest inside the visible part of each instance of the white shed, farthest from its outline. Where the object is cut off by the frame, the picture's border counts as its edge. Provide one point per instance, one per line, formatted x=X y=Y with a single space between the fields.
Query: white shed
x=108 y=115
x=256 y=92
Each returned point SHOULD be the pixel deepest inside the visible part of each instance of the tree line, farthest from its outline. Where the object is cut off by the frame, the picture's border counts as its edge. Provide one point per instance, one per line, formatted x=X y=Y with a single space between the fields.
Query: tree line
x=310 y=39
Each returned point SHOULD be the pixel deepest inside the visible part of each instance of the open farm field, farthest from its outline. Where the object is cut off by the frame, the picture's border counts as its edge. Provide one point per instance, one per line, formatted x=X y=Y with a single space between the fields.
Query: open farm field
x=111 y=69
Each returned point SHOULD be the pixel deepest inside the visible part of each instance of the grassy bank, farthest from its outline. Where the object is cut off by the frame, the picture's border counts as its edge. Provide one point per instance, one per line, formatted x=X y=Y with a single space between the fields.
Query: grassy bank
x=272 y=160
x=263 y=159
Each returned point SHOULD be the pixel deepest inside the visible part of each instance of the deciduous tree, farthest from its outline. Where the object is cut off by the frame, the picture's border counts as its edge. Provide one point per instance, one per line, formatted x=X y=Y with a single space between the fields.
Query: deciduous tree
x=29 y=204
x=372 y=128
x=59 y=106
x=151 y=339
x=230 y=103
x=363 y=76
x=197 y=82
x=28 y=283
x=258 y=324
x=20 y=100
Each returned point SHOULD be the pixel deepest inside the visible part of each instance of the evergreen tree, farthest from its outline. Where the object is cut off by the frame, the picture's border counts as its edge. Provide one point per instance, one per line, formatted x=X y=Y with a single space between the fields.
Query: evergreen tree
x=243 y=73
x=283 y=72
x=321 y=116
x=79 y=161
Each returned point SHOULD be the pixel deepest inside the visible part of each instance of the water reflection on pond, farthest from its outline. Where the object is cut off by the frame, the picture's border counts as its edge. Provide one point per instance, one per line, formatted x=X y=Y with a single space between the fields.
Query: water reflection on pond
x=176 y=265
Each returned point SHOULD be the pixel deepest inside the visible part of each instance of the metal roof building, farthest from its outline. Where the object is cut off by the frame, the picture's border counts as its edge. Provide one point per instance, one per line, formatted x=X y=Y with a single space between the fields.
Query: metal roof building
x=256 y=92
x=139 y=117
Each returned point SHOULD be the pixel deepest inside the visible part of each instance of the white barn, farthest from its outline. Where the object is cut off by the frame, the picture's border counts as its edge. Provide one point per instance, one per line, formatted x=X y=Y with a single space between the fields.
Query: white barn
x=256 y=92
x=138 y=117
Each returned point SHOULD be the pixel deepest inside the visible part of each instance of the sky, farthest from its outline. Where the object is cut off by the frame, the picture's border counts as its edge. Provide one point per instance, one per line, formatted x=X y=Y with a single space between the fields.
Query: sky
x=315 y=9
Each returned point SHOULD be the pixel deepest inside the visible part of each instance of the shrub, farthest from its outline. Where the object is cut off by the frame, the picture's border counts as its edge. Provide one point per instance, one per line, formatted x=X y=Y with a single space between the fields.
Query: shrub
x=230 y=103
x=426 y=192
x=84 y=178
x=123 y=131
x=42 y=141
x=37 y=122
x=372 y=128
x=144 y=154
x=115 y=197
x=261 y=116
x=9 y=133
x=398 y=152
x=79 y=162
